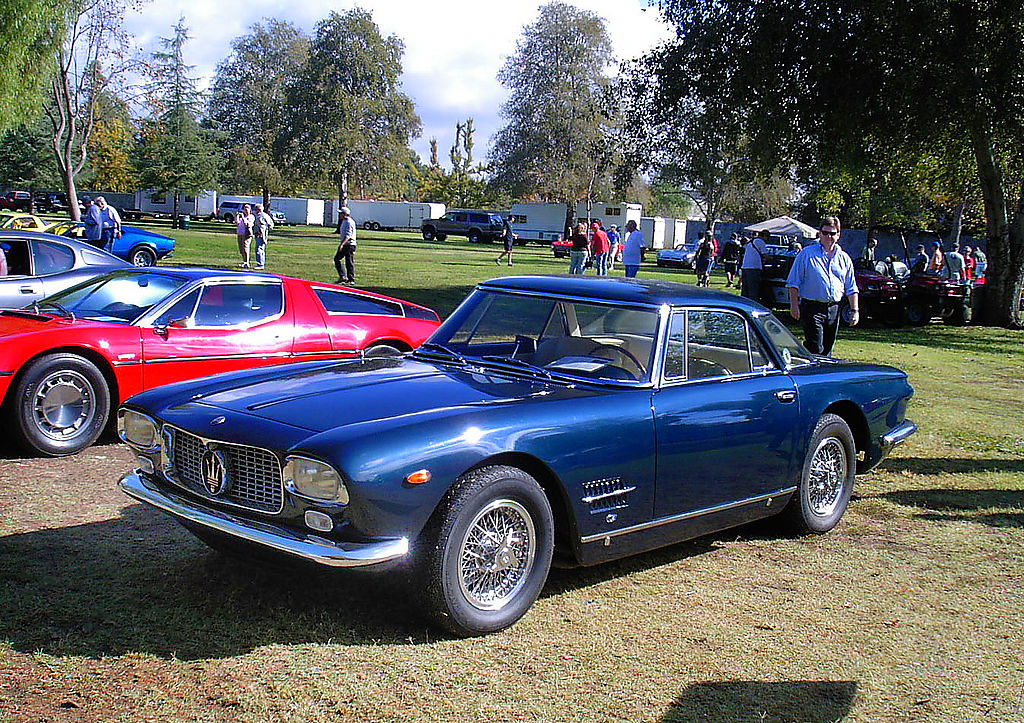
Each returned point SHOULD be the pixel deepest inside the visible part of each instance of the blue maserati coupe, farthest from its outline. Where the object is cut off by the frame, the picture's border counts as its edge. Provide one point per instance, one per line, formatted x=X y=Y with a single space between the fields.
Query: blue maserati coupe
x=565 y=418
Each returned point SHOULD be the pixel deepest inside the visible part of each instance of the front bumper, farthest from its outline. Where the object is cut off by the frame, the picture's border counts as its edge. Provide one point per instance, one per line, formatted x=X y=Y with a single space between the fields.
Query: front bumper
x=898 y=434
x=308 y=547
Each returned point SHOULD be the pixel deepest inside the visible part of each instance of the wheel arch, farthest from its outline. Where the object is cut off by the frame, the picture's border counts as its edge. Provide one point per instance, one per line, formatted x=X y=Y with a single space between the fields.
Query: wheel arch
x=100 y=361
x=399 y=344
x=567 y=553
x=854 y=417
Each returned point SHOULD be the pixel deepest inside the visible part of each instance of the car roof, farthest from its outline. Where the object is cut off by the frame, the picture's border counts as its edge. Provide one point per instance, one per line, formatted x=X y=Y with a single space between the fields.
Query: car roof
x=622 y=290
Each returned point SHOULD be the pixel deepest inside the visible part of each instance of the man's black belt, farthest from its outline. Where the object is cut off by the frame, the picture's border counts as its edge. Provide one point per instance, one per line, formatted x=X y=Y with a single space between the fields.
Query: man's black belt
x=815 y=302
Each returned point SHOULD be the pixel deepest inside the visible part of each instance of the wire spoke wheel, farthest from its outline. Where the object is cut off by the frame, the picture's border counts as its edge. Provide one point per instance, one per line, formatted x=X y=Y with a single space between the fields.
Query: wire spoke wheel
x=497 y=554
x=63 y=404
x=827 y=477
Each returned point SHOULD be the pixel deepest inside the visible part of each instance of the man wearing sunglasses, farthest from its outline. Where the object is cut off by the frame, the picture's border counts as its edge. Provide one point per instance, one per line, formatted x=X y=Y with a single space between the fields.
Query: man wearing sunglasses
x=821 y=276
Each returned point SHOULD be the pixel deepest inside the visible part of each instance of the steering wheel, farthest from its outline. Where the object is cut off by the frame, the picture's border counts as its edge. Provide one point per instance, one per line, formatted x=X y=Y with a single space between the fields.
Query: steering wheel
x=632 y=364
x=705 y=368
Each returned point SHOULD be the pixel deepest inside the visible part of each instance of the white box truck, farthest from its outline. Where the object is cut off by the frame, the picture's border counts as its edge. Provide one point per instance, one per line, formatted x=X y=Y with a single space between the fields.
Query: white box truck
x=543 y=222
x=610 y=213
x=391 y=215
x=158 y=203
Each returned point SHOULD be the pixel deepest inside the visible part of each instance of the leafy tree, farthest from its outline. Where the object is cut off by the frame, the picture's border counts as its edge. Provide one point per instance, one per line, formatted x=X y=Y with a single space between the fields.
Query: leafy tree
x=93 y=54
x=30 y=33
x=347 y=119
x=26 y=157
x=111 y=148
x=175 y=155
x=464 y=186
x=839 y=83
x=248 y=101
x=555 y=146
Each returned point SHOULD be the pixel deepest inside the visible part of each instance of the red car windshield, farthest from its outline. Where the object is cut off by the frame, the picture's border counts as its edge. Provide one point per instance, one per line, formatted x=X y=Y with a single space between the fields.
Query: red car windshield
x=120 y=296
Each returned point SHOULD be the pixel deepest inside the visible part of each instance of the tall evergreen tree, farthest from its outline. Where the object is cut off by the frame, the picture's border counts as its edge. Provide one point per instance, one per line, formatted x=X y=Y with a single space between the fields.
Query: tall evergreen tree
x=175 y=155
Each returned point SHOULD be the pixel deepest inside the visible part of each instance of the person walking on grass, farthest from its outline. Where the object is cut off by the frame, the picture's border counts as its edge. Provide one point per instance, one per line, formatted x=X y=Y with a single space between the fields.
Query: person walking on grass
x=508 y=238
x=821 y=276
x=261 y=228
x=578 y=254
x=752 y=265
x=346 y=249
x=633 y=251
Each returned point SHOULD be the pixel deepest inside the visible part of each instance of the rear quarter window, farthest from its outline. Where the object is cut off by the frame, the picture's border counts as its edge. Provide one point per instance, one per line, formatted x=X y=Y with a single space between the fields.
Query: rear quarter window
x=340 y=302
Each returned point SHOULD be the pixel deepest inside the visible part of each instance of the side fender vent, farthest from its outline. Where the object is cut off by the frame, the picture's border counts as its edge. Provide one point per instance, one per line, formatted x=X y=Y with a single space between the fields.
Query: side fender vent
x=603 y=495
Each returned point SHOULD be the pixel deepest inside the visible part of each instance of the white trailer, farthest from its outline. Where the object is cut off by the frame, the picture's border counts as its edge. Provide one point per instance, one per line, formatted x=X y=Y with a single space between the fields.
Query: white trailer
x=160 y=203
x=306 y=211
x=391 y=215
x=675 y=232
x=542 y=222
x=610 y=213
x=653 y=228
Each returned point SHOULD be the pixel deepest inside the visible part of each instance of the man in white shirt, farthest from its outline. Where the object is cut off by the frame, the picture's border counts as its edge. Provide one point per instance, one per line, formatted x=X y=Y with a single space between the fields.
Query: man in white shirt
x=955 y=263
x=261 y=229
x=752 y=266
x=633 y=250
x=346 y=249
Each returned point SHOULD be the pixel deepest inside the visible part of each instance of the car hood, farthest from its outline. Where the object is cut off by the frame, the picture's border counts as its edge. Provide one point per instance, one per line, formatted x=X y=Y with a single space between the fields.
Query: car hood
x=323 y=397
x=18 y=322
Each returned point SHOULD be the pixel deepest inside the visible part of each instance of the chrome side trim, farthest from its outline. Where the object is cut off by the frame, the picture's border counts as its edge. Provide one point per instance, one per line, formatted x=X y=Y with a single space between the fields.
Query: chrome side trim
x=7 y=374
x=899 y=434
x=687 y=515
x=308 y=547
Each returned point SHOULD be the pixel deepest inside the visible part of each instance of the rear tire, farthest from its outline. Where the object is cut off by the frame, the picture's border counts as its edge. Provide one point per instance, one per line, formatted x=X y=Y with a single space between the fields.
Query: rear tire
x=440 y=236
x=143 y=256
x=367 y=225
x=826 y=481
x=382 y=349
x=959 y=316
x=60 y=405
x=485 y=554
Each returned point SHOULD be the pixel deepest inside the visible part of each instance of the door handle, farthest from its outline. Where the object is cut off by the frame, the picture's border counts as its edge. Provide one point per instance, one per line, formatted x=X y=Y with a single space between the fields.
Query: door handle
x=27 y=290
x=786 y=396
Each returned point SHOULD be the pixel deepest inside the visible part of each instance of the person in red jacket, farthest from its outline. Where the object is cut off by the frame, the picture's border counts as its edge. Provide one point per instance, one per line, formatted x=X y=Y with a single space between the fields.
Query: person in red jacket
x=600 y=245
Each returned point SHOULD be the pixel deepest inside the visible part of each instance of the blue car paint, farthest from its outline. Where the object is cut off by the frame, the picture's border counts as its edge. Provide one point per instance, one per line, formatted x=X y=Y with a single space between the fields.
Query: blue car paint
x=132 y=238
x=379 y=420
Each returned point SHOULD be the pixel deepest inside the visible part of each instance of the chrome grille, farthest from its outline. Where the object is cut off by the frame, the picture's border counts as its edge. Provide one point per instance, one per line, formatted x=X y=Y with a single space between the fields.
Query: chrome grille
x=255 y=473
x=604 y=495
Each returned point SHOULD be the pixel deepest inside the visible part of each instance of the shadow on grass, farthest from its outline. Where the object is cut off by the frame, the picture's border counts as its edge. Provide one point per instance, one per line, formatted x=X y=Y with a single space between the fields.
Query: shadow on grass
x=951 y=465
x=806 y=701
x=993 y=507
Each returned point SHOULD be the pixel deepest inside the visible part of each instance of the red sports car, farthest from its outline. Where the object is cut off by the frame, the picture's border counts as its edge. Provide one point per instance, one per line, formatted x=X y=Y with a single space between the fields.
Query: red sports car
x=70 y=359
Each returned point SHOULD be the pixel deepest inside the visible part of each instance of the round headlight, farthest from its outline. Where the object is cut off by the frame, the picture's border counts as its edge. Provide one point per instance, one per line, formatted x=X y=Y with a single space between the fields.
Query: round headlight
x=314 y=479
x=137 y=429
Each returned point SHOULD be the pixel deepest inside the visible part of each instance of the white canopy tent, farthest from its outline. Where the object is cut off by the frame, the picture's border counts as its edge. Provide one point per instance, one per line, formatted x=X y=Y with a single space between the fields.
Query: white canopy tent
x=784 y=226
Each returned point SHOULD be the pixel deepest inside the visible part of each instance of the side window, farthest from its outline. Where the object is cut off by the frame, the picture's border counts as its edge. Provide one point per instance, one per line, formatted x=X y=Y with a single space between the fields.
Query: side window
x=238 y=304
x=460 y=217
x=17 y=257
x=51 y=257
x=339 y=302
x=675 y=354
x=716 y=345
x=758 y=355
x=180 y=309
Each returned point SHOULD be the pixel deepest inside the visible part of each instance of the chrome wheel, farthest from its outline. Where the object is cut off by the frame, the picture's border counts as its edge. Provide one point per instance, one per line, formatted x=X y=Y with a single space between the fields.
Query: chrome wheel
x=827 y=477
x=64 y=404
x=497 y=554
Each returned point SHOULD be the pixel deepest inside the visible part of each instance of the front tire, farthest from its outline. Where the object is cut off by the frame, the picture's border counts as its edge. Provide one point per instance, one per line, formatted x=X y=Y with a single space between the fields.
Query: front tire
x=475 y=237
x=143 y=257
x=61 y=405
x=917 y=314
x=428 y=234
x=826 y=481
x=486 y=552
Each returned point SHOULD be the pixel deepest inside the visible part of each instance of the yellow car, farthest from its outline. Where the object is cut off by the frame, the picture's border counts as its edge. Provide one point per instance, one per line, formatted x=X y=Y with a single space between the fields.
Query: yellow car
x=21 y=221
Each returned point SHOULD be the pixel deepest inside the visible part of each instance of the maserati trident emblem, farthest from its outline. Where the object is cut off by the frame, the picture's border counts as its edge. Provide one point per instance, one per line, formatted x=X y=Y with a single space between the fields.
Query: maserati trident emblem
x=217 y=420
x=215 y=472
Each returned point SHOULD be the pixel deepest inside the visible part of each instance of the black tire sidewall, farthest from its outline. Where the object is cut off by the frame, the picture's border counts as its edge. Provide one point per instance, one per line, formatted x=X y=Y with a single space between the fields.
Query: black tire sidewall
x=473 y=492
x=24 y=422
x=830 y=425
x=149 y=255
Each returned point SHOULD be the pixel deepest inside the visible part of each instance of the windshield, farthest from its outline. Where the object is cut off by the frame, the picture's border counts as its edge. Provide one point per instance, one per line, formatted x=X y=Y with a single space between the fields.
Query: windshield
x=119 y=296
x=597 y=342
x=793 y=352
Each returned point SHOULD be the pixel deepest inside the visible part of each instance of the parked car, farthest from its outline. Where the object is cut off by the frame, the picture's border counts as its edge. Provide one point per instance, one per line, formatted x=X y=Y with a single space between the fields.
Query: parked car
x=40 y=264
x=16 y=201
x=561 y=248
x=137 y=246
x=474 y=225
x=49 y=202
x=680 y=257
x=19 y=221
x=229 y=210
x=879 y=290
x=584 y=419
x=67 y=361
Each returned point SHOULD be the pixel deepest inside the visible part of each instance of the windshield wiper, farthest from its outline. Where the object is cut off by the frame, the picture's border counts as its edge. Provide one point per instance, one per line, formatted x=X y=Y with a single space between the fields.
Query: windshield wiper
x=438 y=350
x=59 y=307
x=518 y=364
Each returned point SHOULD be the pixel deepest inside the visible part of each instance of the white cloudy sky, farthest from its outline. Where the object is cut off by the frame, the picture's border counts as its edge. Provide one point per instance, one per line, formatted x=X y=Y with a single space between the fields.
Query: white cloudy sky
x=453 y=48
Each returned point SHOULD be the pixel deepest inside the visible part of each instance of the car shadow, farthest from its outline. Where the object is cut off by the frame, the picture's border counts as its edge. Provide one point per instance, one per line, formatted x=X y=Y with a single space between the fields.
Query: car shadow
x=993 y=507
x=951 y=465
x=806 y=701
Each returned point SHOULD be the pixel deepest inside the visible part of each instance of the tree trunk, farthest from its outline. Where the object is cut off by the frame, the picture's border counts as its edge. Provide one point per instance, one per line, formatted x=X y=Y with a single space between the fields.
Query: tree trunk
x=1005 y=274
x=69 y=188
x=958 y=222
x=266 y=199
x=175 y=223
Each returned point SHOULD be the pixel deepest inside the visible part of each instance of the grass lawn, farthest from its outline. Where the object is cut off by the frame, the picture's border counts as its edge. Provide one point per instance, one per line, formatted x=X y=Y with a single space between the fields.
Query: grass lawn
x=911 y=610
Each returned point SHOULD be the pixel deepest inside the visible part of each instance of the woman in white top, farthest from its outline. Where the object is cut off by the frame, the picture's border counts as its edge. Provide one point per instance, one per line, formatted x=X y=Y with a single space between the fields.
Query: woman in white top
x=244 y=223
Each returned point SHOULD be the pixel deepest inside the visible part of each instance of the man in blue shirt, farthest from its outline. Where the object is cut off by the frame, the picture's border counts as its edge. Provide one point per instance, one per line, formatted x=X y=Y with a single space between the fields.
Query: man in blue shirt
x=821 y=275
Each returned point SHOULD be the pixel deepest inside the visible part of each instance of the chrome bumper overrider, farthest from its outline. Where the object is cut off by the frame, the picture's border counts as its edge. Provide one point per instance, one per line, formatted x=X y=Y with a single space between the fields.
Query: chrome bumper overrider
x=309 y=547
x=898 y=434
